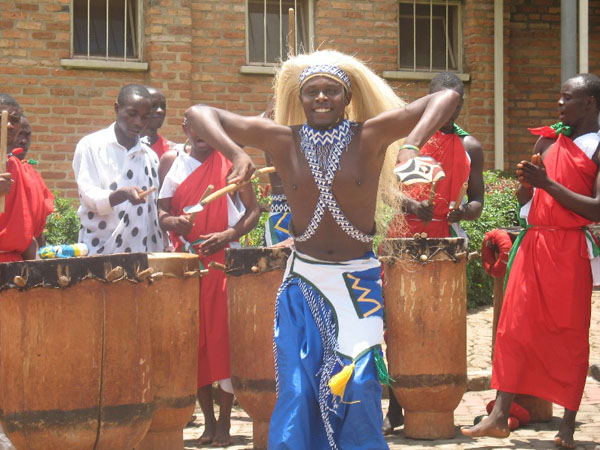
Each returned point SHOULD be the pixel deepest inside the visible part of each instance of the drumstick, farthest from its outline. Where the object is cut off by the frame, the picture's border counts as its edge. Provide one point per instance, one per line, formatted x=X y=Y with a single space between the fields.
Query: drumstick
x=3 y=142
x=431 y=195
x=432 y=192
x=292 y=35
x=148 y=192
x=207 y=191
x=235 y=186
x=461 y=195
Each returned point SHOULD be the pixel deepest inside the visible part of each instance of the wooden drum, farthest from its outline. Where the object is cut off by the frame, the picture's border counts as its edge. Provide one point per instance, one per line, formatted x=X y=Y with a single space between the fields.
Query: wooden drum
x=425 y=302
x=75 y=346
x=172 y=296
x=253 y=279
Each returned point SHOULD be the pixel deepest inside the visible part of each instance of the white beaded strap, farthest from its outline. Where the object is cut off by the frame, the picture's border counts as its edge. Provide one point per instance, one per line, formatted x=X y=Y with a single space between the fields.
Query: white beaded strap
x=279 y=203
x=323 y=151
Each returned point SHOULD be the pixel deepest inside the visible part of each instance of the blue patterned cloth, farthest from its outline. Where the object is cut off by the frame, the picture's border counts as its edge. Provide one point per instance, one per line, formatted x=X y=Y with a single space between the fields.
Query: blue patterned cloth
x=277 y=228
x=308 y=352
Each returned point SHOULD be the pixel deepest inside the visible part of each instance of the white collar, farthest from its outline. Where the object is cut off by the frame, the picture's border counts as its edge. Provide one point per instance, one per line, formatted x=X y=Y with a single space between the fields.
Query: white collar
x=112 y=139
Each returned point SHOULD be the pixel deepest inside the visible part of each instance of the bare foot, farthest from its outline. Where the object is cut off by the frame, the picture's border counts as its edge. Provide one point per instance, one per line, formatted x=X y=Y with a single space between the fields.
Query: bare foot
x=222 y=437
x=209 y=433
x=564 y=437
x=566 y=443
x=392 y=421
x=488 y=427
x=566 y=429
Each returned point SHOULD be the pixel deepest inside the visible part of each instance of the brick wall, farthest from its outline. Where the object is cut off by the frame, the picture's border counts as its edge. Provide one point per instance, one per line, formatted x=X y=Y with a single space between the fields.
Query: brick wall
x=533 y=64
x=195 y=49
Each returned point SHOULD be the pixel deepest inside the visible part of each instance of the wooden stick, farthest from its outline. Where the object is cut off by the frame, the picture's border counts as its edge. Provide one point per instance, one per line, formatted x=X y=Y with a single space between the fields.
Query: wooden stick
x=206 y=193
x=432 y=192
x=216 y=265
x=235 y=186
x=3 y=145
x=431 y=195
x=144 y=194
x=292 y=33
x=461 y=195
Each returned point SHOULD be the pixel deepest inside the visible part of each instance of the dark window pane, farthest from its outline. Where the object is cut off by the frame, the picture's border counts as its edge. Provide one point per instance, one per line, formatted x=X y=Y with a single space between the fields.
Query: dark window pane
x=430 y=45
x=277 y=43
x=97 y=28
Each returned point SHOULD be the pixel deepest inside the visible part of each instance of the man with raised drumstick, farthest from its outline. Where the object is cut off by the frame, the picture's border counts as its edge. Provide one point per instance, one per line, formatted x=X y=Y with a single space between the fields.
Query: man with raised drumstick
x=461 y=158
x=328 y=326
x=117 y=176
x=542 y=345
x=28 y=202
x=207 y=233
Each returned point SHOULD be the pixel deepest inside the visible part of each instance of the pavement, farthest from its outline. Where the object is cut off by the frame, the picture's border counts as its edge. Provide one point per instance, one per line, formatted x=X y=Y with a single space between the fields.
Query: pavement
x=479 y=338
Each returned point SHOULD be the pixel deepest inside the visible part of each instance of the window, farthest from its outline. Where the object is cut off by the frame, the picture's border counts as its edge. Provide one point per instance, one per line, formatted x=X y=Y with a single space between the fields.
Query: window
x=430 y=33
x=268 y=27
x=106 y=29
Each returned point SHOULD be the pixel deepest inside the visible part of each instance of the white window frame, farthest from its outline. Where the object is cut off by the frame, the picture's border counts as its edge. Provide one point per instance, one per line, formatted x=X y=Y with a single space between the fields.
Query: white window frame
x=107 y=62
x=269 y=68
x=424 y=74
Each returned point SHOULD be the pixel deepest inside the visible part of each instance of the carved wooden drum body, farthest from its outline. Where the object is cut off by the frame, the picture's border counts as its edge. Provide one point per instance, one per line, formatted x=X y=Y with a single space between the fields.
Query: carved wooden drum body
x=172 y=295
x=425 y=303
x=75 y=353
x=253 y=279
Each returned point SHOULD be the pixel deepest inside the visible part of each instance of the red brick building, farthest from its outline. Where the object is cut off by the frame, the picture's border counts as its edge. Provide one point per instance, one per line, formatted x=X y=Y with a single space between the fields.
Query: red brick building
x=65 y=64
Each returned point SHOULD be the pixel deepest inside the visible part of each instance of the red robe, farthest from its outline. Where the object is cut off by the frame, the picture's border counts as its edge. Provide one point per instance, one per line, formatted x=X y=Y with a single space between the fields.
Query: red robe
x=449 y=151
x=26 y=207
x=542 y=343
x=213 y=351
x=160 y=146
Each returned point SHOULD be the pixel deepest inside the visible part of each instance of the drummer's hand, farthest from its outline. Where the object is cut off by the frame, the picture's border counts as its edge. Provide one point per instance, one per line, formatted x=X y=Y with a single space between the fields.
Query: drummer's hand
x=6 y=182
x=457 y=214
x=179 y=224
x=242 y=169
x=424 y=211
x=214 y=242
x=289 y=242
x=531 y=175
x=126 y=193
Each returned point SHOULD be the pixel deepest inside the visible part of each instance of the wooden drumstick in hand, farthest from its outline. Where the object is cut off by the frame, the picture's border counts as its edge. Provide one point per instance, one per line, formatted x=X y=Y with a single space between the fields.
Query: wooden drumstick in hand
x=431 y=196
x=461 y=195
x=144 y=194
x=209 y=189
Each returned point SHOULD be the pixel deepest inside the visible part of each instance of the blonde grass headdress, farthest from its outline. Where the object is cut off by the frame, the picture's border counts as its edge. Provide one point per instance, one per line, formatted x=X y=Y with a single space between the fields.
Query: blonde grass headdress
x=371 y=95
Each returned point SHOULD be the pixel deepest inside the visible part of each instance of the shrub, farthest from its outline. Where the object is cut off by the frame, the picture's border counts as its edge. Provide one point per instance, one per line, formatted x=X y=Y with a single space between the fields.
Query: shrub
x=255 y=237
x=62 y=226
x=500 y=210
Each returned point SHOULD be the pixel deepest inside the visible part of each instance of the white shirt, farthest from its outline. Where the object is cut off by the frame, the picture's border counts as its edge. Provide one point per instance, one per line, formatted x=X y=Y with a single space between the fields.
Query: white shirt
x=101 y=166
x=182 y=167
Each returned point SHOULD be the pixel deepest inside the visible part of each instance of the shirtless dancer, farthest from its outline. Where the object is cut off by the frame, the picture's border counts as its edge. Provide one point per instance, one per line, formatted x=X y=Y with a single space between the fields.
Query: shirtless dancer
x=330 y=169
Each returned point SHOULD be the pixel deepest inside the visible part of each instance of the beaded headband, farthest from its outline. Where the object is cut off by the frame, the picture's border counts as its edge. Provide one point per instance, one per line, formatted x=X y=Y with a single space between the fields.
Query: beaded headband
x=324 y=70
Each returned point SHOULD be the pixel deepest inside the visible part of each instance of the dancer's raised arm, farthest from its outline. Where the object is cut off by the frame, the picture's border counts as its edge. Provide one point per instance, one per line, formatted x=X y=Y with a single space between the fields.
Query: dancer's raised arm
x=228 y=132
x=417 y=121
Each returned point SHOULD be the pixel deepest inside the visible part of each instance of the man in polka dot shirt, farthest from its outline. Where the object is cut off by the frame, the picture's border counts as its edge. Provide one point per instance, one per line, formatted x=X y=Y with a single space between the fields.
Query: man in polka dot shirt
x=112 y=167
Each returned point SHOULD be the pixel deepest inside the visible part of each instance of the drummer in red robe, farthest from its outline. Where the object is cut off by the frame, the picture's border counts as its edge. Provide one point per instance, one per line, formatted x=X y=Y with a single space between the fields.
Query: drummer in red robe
x=27 y=199
x=461 y=158
x=542 y=343
x=218 y=226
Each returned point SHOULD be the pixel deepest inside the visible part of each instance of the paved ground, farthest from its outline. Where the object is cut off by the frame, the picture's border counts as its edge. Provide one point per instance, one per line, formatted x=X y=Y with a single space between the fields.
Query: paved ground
x=537 y=436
